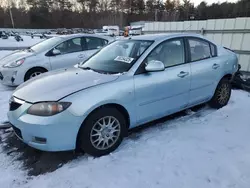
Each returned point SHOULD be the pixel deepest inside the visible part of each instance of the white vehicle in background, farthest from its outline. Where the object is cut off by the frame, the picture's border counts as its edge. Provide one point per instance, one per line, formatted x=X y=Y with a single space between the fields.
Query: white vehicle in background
x=101 y=32
x=112 y=30
x=135 y=30
x=54 y=53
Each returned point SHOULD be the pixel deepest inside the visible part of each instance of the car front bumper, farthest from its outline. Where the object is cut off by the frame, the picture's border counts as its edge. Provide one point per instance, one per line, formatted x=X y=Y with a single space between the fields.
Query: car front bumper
x=11 y=76
x=53 y=133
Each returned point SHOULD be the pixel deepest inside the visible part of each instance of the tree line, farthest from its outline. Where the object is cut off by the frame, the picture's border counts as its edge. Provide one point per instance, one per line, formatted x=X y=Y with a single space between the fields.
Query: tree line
x=96 y=13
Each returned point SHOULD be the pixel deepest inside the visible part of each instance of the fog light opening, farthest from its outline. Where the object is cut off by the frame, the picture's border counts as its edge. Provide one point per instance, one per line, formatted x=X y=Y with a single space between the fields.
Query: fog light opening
x=12 y=79
x=39 y=140
x=13 y=76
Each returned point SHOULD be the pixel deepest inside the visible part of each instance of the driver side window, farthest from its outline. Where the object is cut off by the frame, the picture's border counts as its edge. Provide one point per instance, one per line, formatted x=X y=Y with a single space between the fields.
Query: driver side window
x=62 y=47
x=170 y=53
x=70 y=46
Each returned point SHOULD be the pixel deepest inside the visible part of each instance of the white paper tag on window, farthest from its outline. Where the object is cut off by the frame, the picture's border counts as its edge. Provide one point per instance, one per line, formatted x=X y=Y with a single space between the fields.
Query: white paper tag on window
x=124 y=59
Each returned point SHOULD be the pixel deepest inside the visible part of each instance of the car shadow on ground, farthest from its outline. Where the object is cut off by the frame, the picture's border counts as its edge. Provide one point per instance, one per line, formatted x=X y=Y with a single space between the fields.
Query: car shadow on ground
x=34 y=161
x=38 y=162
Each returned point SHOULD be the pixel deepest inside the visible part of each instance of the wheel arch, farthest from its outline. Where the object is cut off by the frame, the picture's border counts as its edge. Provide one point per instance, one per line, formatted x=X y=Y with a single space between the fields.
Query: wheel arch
x=119 y=107
x=36 y=67
x=227 y=76
x=213 y=103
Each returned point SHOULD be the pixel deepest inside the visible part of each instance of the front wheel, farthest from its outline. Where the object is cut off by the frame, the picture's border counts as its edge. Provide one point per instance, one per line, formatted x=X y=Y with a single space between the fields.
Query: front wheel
x=102 y=132
x=222 y=94
x=33 y=73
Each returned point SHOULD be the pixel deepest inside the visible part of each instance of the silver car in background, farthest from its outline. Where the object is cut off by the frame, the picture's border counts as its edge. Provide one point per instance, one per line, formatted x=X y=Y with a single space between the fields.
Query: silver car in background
x=54 y=53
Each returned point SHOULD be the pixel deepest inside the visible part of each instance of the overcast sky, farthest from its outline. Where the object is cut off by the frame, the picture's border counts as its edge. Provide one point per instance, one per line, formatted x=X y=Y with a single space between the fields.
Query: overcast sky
x=197 y=2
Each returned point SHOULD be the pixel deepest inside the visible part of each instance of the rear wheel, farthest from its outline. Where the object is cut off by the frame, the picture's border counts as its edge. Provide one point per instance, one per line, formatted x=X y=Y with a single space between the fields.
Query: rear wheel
x=102 y=132
x=32 y=73
x=222 y=94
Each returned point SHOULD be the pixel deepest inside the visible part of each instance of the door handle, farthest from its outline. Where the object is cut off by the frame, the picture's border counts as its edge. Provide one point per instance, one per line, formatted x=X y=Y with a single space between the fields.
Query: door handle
x=215 y=66
x=183 y=74
x=81 y=56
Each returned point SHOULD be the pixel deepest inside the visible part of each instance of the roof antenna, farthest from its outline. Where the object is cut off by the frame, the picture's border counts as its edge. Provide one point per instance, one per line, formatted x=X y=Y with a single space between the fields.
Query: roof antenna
x=188 y=27
x=192 y=18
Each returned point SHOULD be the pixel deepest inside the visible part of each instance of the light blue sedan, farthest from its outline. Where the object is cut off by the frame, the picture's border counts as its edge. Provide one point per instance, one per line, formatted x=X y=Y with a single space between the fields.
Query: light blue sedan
x=128 y=83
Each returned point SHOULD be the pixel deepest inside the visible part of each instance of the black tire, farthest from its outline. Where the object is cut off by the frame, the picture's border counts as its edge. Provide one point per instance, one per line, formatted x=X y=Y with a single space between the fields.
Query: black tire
x=84 y=135
x=32 y=71
x=223 y=90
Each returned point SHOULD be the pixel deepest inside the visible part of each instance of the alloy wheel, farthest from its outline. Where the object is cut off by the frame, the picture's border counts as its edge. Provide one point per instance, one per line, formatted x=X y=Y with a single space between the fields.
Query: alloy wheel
x=105 y=132
x=34 y=74
x=223 y=93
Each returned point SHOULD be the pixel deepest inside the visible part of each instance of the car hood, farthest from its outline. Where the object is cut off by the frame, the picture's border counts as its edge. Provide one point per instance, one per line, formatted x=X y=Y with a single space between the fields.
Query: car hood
x=55 y=85
x=17 y=55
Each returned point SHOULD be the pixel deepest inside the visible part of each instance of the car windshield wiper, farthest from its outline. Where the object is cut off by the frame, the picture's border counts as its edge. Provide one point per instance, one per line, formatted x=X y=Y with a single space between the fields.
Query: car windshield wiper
x=88 y=68
x=85 y=68
x=99 y=71
x=28 y=50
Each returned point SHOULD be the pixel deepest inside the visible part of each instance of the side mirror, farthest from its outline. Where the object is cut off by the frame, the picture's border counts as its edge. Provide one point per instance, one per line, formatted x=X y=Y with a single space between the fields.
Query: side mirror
x=56 y=52
x=154 y=66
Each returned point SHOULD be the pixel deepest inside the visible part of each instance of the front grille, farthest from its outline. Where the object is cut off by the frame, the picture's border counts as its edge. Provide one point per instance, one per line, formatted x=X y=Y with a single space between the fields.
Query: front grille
x=17 y=131
x=1 y=76
x=14 y=105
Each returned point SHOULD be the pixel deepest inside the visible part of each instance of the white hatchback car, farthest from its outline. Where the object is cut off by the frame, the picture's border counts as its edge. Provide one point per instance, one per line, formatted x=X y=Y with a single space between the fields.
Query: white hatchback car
x=54 y=53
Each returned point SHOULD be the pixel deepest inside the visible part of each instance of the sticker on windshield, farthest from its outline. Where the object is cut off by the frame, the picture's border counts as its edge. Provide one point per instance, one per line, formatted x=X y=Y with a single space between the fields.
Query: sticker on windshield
x=124 y=59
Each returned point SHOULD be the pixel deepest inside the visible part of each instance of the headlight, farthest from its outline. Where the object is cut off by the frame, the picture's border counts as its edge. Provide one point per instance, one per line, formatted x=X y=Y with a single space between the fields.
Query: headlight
x=48 y=108
x=14 y=64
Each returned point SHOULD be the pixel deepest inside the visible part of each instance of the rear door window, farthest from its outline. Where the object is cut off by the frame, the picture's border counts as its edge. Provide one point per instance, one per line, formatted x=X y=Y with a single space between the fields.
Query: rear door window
x=93 y=43
x=70 y=46
x=199 y=49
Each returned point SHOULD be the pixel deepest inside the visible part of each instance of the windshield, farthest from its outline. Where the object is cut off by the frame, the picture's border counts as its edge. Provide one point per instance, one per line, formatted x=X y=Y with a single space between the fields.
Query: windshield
x=46 y=44
x=118 y=57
